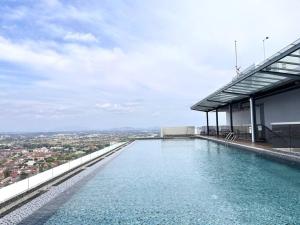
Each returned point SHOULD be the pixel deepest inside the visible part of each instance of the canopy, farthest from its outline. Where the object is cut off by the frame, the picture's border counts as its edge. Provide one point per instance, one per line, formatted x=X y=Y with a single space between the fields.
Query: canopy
x=279 y=69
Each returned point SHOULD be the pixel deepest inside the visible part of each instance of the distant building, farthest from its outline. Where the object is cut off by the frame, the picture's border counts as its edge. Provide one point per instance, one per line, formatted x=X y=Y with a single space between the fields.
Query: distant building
x=6 y=181
x=41 y=150
x=2 y=175
x=30 y=163
x=177 y=131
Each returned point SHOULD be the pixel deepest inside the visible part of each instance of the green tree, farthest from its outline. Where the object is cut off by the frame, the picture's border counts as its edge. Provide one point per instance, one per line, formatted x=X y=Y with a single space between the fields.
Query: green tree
x=23 y=175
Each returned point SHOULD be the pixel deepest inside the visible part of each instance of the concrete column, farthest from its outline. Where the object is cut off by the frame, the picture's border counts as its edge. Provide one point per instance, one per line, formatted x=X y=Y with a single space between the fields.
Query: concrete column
x=207 y=123
x=217 y=122
x=253 y=119
x=231 y=121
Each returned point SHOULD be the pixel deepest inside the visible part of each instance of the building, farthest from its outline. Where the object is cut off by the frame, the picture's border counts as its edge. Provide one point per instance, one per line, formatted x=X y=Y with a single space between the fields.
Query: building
x=177 y=131
x=262 y=103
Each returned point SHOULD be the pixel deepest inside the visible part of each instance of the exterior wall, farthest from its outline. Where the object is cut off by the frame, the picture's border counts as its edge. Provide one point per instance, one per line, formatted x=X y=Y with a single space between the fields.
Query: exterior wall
x=284 y=107
x=241 y=116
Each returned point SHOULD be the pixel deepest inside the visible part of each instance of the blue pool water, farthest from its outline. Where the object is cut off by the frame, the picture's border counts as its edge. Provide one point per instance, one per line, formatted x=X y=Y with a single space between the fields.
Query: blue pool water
x=182 y=182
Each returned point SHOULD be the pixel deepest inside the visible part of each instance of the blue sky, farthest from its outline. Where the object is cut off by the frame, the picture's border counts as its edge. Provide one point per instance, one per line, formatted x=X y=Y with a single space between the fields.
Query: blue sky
x=73 y=65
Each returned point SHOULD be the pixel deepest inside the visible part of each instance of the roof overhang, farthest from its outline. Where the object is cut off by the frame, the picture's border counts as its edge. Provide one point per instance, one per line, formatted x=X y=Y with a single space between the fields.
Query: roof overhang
x=279 y=69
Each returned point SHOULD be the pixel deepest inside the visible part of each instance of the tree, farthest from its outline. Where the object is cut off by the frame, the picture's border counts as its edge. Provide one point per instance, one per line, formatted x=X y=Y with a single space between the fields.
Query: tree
x=6 y=173
x=23 y=175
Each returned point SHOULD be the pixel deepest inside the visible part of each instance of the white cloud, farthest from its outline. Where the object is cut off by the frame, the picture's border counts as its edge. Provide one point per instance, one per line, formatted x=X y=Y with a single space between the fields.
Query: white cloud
x=30 y=54
x=75 y=66
x=125 y=107
x=16 y=14
x=37 y=109
x=83 y=37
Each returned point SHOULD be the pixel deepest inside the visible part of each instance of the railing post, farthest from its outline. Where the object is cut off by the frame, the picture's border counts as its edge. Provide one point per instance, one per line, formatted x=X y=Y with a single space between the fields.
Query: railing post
x=253 y=119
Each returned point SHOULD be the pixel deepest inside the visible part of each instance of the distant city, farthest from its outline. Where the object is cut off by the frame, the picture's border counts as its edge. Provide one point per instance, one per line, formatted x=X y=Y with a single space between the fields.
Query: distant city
x=25 y=154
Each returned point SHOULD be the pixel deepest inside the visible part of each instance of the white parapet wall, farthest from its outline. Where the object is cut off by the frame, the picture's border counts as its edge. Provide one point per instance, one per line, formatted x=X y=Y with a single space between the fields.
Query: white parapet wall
x=177 y=131
x=20 y=187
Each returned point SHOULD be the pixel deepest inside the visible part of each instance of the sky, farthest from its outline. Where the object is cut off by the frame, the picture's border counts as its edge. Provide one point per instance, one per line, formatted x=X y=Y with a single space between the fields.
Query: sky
x=102 y=64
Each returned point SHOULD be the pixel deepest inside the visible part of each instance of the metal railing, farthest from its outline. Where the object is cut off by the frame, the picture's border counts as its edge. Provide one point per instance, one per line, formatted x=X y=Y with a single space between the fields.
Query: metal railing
x=241 y=132
x=283 y=136
x=230 y=137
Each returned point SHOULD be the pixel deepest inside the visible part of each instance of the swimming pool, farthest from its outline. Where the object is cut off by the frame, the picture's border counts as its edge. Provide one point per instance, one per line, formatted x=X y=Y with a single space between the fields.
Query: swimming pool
x=181 y=182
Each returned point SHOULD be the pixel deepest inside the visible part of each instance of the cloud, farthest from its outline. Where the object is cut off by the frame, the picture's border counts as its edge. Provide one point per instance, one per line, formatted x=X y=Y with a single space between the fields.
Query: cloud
x=31 y=54
x=126 y=107
x=83 y=37
x=148 y=68
x=36 y=109
x=16 y=14
x=99 y=56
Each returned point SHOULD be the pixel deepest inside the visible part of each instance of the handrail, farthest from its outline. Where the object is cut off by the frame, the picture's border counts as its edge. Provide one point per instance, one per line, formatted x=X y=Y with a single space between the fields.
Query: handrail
x=234 y=138
x=230 y=137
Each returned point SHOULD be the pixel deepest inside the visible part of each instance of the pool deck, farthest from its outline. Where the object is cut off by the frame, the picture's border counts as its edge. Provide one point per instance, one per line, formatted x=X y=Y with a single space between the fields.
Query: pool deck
x=260 y=148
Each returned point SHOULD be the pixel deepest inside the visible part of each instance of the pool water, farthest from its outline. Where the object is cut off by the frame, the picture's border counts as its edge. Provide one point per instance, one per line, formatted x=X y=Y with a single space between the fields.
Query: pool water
x=181 y=182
